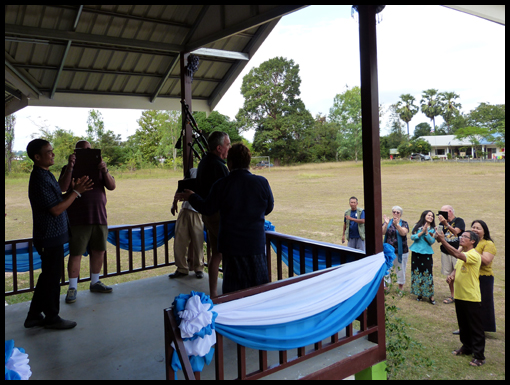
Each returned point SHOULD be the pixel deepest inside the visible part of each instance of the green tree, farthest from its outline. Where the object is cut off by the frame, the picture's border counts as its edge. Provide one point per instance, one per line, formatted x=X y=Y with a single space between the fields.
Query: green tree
x=422 y=129
x=273 y=108
x=63 y=143
x=491 y=117
x=171 y=130
x=109 y=142
x=10 y=122
x=346 y=114
x=147 y=138
x=322 y=140
x=217 y=122
x=451 y=109
x=406 y=109
x=473 y=134
x=430 y=105
x=396 y=135
x=95 y=127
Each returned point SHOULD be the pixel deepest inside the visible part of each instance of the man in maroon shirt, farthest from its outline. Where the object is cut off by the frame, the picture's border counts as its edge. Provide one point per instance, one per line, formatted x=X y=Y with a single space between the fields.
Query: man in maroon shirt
x=89 y=226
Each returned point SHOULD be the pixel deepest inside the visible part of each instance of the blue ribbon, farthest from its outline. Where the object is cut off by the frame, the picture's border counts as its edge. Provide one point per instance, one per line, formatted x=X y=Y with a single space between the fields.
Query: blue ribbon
x=197 y=362
x=9 y=348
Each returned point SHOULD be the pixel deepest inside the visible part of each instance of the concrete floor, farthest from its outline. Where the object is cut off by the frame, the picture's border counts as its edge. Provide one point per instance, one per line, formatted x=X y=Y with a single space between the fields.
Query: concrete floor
x=120 y=336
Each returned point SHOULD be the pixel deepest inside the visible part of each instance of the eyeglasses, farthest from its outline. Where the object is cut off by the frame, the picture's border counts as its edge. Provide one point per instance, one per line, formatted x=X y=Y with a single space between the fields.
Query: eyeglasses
x=465 y=236
x=396 y=212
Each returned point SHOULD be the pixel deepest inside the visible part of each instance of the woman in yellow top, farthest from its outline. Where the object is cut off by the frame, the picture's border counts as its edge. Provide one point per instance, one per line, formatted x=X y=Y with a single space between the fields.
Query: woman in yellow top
x=487 y=250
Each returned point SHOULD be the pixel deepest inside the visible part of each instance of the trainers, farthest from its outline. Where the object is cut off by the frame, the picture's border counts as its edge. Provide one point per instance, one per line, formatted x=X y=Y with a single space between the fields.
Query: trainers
x=100 y=287
x=71 y=295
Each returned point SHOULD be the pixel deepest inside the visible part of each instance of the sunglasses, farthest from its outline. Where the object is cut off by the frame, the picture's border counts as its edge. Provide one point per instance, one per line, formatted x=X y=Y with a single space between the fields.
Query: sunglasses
x=396 y=212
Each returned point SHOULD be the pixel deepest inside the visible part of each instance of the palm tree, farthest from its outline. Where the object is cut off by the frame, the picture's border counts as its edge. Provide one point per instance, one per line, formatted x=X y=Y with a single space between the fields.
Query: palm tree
x=430 y=105
x=450 y=107
x=406 y=109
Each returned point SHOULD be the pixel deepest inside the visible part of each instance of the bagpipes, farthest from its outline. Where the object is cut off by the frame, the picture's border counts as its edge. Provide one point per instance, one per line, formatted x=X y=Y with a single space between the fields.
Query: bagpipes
x=198 y=138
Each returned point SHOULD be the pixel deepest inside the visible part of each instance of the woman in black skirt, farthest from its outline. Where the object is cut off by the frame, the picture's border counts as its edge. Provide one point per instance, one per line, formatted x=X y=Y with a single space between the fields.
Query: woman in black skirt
x=487 y=250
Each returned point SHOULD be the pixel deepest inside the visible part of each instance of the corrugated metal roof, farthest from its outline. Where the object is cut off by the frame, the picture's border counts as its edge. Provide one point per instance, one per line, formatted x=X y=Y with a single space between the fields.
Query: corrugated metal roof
x=127 y=55
x=451 y=140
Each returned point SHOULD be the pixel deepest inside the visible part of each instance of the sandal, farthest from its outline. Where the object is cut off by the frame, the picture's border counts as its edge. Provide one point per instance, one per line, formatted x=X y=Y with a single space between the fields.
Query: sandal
x=477 y=362
x=432 y=301
x=460 y=352
x=448 y=300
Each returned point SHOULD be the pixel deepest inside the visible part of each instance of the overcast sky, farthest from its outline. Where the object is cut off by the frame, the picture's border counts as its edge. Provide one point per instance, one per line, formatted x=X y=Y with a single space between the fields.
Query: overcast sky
x=419 y=47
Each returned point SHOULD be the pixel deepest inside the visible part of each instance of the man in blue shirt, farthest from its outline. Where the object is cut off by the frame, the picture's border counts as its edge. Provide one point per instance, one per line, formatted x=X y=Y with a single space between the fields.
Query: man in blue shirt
x=354 y=226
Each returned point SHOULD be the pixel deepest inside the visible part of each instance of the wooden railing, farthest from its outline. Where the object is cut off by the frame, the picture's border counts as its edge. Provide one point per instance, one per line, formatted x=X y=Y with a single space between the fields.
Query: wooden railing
x=371 y=324
x=371 y=321
x=125 y=261
x=346 y=253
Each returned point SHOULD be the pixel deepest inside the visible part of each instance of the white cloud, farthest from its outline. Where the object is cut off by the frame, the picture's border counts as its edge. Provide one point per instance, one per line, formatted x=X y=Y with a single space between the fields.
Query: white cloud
x=30 y=119
x=419 y=47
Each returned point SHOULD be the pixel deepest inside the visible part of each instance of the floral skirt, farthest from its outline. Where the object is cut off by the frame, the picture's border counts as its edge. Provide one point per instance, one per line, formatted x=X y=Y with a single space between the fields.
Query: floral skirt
x=422 y=278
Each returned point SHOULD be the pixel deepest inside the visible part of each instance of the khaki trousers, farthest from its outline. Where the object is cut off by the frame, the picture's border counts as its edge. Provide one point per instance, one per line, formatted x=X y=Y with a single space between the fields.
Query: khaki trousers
x=189 y=228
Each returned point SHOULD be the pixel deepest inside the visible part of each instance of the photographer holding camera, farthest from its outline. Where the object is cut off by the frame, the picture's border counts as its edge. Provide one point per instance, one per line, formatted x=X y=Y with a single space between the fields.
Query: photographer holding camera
x=453 y=227
x=467 y=295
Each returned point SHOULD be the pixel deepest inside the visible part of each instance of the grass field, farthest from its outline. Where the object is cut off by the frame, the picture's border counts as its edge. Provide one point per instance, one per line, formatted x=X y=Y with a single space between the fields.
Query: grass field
x=309 y=202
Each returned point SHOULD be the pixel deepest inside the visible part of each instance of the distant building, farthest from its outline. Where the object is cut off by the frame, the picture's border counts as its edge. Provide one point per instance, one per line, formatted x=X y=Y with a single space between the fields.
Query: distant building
x=448 y=144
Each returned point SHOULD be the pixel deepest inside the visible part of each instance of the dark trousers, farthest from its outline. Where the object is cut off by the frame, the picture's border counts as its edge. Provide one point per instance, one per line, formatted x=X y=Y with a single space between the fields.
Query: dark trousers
x=46 y=297
x=471 y=327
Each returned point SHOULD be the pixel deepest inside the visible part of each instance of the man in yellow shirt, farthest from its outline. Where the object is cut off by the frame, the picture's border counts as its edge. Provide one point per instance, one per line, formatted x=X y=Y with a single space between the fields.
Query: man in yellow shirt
x=467 y=296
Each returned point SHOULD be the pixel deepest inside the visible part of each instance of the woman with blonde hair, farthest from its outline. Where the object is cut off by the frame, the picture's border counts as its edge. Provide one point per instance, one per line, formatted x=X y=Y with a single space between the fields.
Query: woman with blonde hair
x=395 y=233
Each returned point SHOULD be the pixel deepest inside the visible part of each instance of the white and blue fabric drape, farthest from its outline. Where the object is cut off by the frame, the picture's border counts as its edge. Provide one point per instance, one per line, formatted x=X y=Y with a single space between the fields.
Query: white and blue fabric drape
x=16 y=362
x=305 y=312
x=195 y=319
x=22 y=255
x=148 y=233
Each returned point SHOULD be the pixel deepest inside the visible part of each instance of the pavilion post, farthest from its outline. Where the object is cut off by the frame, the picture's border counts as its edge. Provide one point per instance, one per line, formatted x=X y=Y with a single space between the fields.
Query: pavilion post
x=186 y=78
x=187 y=151
x=371 y=159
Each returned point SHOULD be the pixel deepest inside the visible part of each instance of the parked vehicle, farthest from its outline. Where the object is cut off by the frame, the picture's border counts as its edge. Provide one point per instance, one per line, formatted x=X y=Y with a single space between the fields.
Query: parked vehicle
x=417 y=156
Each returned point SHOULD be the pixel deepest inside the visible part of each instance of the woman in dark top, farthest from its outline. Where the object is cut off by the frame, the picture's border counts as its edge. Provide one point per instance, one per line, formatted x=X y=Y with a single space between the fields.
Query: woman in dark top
x=243 y=200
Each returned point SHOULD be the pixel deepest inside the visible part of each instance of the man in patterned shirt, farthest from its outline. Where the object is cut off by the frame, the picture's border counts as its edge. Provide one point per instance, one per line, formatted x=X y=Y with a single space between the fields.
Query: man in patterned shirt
x=50 y=233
